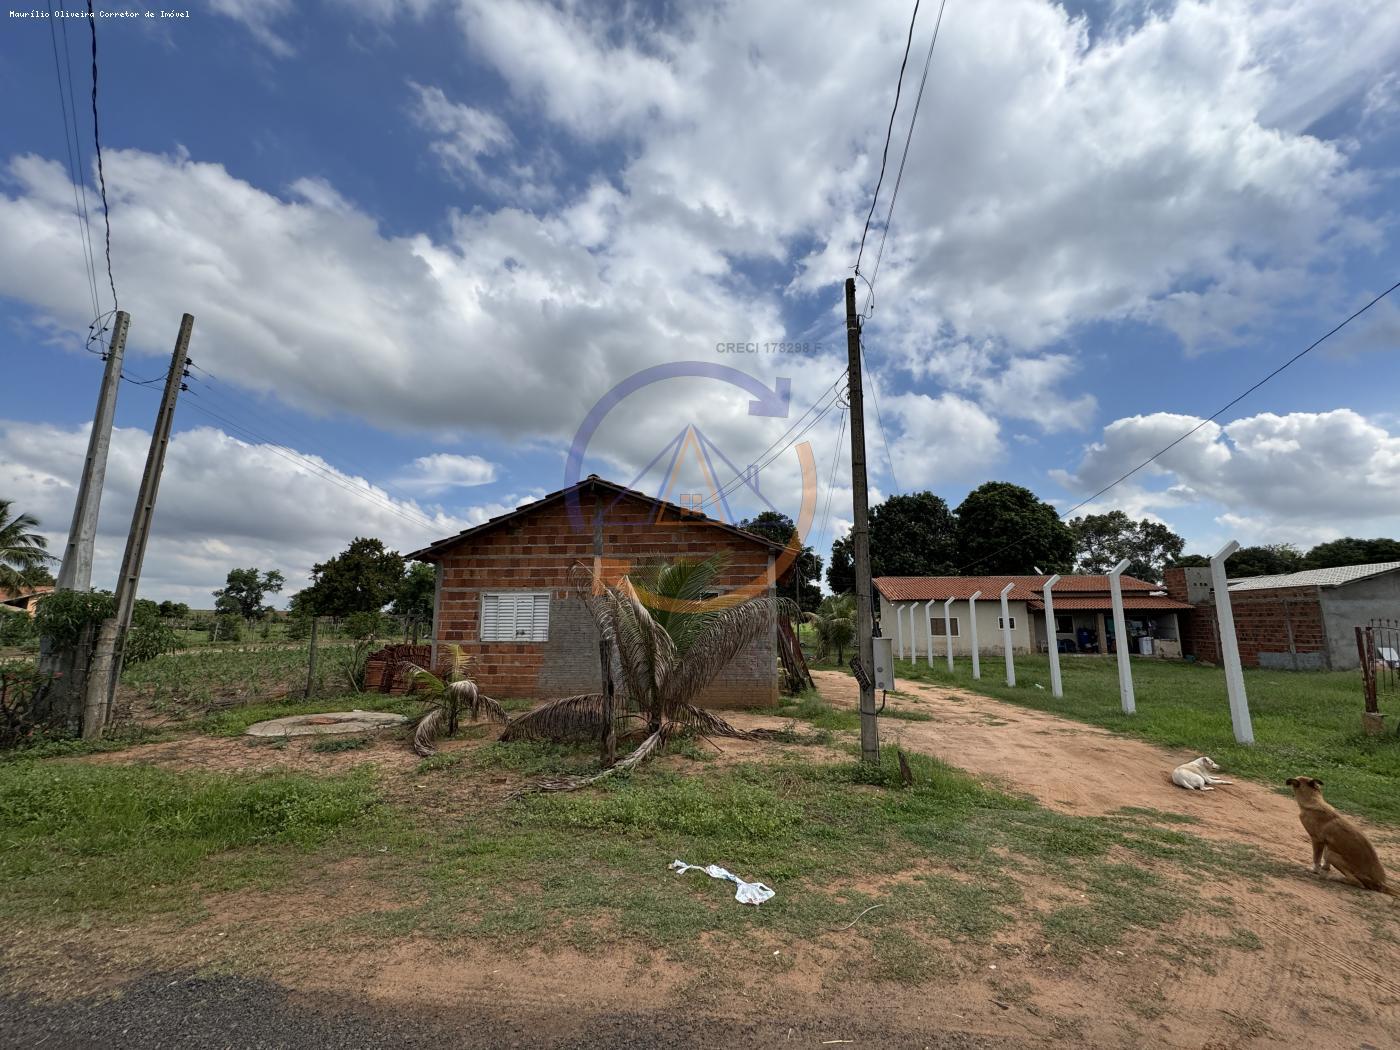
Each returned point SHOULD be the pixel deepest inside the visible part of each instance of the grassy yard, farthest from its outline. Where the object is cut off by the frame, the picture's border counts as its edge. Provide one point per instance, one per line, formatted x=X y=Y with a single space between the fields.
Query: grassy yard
x=1304 y=722
x=945 y=858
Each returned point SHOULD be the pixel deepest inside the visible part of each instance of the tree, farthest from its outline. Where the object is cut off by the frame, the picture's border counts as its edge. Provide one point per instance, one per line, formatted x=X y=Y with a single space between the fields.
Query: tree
x=23 y=552
x=364 y=577
x=1351 y=551
x=414 y=599
x=445 y=701
x=841 y=573
x=1103 y=540
x=835 y=626
x=661 y=658
x=174 y=610
x=910 y=535
x=1190 y=561
x=802 y=581
x=1005 y=529
x=244 y=590
x=1269 y=560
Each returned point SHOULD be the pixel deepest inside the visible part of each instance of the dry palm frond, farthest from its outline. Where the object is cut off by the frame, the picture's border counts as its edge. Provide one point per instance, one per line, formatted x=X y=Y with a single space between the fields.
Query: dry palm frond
x=709 y=724
x=429 y=726
x=467 y=697
x=648 y=747
x=571 y=717
x=729 y=631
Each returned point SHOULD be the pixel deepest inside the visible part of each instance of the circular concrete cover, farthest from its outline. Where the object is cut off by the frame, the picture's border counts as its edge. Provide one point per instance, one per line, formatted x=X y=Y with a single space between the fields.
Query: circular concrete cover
x=325 y=722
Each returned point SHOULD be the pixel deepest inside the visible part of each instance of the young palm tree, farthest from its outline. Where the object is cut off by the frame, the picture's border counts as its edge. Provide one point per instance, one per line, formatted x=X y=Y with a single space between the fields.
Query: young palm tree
x=835 y=624
x=22 y=550
x=665 y=645
x=445 y=702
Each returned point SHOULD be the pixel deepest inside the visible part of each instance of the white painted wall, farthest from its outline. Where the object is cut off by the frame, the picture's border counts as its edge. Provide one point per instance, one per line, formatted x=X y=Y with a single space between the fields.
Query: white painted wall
x=988 y=633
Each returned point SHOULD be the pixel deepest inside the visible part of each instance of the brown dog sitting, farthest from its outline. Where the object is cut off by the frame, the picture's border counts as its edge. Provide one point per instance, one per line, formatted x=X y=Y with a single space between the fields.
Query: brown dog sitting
x=1336 y=841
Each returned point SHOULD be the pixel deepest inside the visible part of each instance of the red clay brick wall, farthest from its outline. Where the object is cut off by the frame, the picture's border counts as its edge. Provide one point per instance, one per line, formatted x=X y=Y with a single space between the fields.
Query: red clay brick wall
x=1262 y=622
x=384 y=671
x=536 y=552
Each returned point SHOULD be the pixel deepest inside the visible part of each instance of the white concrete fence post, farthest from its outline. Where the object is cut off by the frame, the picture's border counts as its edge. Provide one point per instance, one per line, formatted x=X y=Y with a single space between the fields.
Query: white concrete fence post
x=972 y=623
x=948 y=632
x=928 y=627
x=1056 y=686
x=1229 y=646
x=1121 y=640
x=898 y=631
x=1006 y=635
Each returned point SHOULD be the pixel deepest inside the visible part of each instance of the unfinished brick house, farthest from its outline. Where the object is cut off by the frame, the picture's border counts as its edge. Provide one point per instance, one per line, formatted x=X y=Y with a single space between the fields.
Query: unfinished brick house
x=1295 y=621
x=504 y=591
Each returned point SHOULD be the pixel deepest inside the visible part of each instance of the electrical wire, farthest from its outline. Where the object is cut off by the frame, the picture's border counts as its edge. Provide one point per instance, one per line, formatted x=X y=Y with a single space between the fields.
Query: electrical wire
x=97 y=146
x=1208 y=419
x=875 y=396
x=889 y=133
x=70 y=140
x=831 y=480
x=899 y=176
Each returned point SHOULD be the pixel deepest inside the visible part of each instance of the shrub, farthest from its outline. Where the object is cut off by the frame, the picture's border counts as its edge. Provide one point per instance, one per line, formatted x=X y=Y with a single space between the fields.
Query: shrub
x=226 y=627
x=149 y=637
x=64 y=615
x=17 y=631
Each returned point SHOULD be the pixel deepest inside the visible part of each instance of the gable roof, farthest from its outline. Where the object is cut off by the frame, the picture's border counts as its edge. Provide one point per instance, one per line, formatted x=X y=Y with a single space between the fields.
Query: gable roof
x=1025 y=588
x=1337 y=577
x=592 y=482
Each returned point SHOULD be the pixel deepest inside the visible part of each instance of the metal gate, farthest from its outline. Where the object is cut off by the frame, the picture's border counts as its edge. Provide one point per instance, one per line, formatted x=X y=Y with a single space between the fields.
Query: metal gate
x=1378 y=646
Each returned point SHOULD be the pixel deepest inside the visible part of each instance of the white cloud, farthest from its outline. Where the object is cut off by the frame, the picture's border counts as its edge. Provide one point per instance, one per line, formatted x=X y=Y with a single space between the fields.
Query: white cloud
x=942 y=439
x=444 y=470
x=223 y=503
x=260 y=16
x=1301 y=477
x=466 y=137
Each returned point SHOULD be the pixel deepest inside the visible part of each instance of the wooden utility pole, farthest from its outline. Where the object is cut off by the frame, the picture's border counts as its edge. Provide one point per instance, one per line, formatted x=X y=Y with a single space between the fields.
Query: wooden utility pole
x=112 y=638
x=75 y=574
x=860 y=536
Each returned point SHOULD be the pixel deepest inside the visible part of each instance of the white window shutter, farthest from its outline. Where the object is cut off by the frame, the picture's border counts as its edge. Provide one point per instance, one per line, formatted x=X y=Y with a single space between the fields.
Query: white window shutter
x=515 y=616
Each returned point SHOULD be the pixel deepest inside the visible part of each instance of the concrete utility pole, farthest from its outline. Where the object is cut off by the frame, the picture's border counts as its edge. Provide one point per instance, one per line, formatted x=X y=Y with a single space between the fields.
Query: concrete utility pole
x=75 y=574
x=112 y=639
x=1121 y=639
x=1229 y=646
x=860 y=535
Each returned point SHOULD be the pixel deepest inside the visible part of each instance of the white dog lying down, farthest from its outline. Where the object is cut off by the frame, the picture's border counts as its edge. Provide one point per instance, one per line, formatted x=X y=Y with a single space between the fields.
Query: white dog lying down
x=1196 y=775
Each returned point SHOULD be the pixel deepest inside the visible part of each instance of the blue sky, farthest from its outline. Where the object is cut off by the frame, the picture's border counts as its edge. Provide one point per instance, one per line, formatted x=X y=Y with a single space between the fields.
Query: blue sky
x=421 y=239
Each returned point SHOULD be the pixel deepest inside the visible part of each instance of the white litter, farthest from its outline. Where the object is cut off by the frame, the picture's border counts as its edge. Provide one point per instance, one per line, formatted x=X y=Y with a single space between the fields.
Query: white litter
x=747 y=892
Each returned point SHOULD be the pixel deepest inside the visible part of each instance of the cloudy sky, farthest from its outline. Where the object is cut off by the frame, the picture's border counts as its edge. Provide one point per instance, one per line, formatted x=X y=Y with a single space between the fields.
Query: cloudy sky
x=423 y=239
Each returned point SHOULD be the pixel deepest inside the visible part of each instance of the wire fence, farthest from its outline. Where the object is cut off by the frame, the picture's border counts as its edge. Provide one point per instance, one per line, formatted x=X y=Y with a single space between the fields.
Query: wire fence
x=1378 y=647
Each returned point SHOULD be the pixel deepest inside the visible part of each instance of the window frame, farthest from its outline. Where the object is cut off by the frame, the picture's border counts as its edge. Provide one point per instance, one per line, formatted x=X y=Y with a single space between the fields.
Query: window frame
x=537 y=632
x=1013 y=622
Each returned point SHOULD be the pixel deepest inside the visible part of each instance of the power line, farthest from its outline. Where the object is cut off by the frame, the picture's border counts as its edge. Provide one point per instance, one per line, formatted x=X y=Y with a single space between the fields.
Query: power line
x=909 y=138
x=831 y=480
x=889 y=133
x=97 y=146
x=875 y=396
x=70 y=139
x=1210 y=418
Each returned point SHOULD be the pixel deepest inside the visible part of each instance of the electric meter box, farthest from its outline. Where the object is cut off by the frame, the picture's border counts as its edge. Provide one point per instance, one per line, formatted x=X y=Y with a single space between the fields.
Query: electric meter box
x=884 y=663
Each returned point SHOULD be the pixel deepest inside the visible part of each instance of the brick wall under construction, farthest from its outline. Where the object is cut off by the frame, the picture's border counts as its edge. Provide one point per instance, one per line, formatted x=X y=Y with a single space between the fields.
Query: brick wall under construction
x=1280 y=627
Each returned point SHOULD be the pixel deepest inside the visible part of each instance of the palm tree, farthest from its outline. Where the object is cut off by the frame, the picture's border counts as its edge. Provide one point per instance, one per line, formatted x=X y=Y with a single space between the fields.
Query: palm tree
x=445 y=702
x=663 y=643
x=835 y=624
x=23 y=552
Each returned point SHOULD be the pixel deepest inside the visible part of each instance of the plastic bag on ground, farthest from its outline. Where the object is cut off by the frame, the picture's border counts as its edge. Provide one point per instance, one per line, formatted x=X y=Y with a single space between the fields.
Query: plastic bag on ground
x=746 y=892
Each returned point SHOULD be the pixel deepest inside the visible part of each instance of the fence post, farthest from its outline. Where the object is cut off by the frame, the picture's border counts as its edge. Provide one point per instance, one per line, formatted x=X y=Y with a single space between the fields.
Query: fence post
x=1056 y=686
x=972 y=622
x=928 y=627
x=311 y=661
x=947 y=634
x=1006 y=636
x=1120 y=638
x=1229 y=646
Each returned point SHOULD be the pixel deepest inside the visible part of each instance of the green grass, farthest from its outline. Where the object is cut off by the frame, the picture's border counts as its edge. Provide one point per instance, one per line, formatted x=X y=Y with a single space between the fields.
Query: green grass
x=590 y=868
x=182 y=683
x=331 y=745
x=1304 y=722
x=81 y=838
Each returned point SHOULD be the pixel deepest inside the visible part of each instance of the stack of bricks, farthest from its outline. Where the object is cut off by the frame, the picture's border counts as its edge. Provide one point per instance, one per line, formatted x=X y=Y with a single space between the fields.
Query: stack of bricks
x=384 y=671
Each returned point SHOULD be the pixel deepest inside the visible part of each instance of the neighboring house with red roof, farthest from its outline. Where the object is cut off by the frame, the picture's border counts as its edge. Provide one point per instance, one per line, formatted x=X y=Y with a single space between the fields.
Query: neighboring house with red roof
x=911 y=612
x=506 y=596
